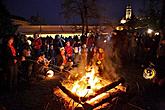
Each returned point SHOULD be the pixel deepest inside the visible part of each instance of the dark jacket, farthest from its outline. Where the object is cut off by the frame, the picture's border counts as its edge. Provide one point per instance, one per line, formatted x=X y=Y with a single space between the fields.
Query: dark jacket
x=59 y=60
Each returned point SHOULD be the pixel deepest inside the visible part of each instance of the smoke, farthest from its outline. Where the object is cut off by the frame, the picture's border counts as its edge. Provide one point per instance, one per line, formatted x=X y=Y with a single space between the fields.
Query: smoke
x=111 y=61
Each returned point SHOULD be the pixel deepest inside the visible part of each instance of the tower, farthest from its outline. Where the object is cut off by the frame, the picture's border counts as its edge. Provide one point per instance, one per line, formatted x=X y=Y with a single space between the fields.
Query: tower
x=128 y=11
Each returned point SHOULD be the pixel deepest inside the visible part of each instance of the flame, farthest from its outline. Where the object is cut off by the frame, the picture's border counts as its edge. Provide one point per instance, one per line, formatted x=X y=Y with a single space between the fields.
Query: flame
x=86 y=85
x=89 y=83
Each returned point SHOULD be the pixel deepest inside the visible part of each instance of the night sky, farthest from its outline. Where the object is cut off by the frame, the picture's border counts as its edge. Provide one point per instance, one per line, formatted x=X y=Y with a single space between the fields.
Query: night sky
x=50 y=9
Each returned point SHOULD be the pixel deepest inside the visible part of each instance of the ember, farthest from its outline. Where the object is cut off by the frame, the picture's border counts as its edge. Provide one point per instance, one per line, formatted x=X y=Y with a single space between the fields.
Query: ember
x=90 y=91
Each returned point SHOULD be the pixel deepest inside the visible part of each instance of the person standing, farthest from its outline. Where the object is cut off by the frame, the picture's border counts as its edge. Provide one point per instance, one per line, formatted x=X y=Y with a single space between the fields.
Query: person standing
x=69 y=51
x=51 y=54
x=100 y=60
x=37 y=44
x=10 y=63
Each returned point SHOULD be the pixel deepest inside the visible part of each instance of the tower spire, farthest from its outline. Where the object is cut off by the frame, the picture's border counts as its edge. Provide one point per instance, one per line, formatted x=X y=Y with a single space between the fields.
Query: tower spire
x=128 y=10
x=129 y=1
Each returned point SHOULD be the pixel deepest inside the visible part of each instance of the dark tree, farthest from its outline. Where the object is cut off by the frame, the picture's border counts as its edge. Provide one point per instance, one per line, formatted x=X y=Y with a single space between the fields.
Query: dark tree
x=37 y=20
x=151 y=15
x=6 y=26
x=86 y=10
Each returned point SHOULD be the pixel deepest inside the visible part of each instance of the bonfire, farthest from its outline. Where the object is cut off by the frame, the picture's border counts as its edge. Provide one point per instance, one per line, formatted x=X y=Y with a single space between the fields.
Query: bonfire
x=89 y=90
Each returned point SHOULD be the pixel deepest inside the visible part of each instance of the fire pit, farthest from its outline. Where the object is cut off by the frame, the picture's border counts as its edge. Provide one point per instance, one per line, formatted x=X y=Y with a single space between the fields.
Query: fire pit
x=89 y=91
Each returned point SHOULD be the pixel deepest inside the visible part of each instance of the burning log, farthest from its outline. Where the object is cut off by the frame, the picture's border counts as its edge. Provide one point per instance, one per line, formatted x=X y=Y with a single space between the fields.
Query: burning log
x=99 y=97
x=69 y=93
x=110 y=86
x=104 y=89
x=88 y=106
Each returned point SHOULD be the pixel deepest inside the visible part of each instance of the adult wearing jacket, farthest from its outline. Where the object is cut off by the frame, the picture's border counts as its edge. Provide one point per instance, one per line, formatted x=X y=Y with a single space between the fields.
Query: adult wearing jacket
x=10 y=63
x=37 y=44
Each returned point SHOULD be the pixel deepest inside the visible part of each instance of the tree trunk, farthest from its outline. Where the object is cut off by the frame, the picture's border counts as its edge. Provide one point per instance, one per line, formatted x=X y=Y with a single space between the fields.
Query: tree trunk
x=86 y=24
x=86 y=21
x=86 y=16
x=83 y=23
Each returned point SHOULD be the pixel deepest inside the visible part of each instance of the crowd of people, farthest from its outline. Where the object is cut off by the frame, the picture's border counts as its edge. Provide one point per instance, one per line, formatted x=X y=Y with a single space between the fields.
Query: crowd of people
x=140 y=48
x=25 y=58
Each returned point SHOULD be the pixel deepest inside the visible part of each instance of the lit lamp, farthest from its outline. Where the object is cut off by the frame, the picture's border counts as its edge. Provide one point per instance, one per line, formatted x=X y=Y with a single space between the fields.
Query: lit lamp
x=123 y=21
x=157 y=33
x=120 y=28
x=50 y=73
x=149 y=31
x=149 y=73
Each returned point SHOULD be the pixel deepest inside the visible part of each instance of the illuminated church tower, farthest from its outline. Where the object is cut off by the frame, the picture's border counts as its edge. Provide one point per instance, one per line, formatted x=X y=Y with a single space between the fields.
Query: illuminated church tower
x=128 y=12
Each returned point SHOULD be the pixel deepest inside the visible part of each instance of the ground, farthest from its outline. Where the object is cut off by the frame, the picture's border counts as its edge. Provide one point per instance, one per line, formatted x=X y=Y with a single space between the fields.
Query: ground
x=38 y=95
